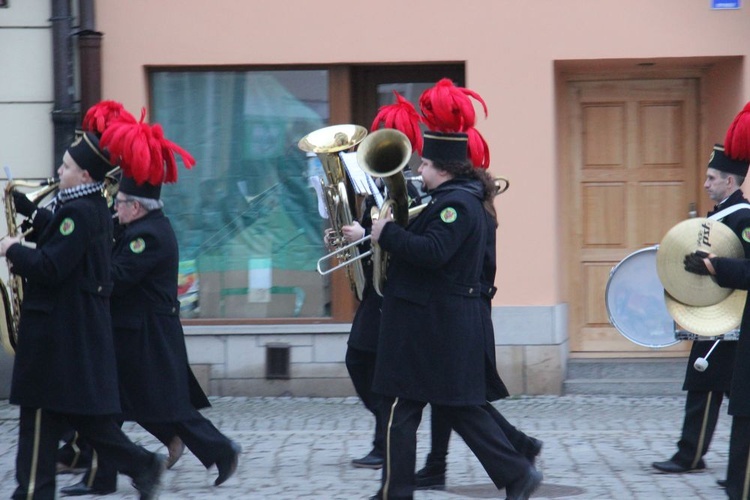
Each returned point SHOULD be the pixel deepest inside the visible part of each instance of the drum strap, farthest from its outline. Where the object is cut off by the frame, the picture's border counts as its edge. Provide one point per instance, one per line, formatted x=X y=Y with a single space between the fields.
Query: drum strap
x=729 y=210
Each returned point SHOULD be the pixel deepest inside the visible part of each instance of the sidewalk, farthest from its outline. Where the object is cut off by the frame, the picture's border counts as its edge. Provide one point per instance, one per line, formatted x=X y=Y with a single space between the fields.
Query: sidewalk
x=595 y=447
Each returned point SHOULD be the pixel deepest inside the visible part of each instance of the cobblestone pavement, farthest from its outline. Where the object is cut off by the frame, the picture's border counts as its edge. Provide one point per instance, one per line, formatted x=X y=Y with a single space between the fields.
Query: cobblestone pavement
x=595 y=447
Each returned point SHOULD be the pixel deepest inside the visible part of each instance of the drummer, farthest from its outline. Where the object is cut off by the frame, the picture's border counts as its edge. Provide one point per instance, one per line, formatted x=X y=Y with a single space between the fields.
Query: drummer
x=706 y=390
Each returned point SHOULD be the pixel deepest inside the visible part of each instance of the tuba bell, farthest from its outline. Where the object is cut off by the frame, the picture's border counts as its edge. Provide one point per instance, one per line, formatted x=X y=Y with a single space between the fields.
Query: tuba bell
x=327 y=143
x=385 y=153
x=11 y=295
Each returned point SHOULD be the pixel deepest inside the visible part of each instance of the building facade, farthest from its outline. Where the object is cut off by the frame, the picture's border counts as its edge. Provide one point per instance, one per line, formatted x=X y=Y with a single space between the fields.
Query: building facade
x=601 y=114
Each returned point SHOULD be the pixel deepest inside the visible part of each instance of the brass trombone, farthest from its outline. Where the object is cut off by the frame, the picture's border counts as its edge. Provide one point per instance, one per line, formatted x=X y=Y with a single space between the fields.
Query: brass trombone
x=379 y=257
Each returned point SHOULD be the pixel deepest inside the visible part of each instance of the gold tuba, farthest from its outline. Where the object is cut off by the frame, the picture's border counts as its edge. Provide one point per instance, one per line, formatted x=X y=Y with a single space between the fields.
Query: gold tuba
x=327 y=143
x=11 y=295
x=385 y=153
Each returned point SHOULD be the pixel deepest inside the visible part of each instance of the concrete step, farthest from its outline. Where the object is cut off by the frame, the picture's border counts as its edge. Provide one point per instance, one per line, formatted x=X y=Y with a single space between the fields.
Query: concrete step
x=625 y=376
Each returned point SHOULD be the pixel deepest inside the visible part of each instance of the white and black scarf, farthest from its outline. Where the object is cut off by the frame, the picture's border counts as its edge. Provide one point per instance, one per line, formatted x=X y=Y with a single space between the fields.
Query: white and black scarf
x=74 y=192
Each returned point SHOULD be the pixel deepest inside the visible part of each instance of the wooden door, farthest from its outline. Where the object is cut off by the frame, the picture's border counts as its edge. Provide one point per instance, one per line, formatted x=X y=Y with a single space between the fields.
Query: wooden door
x=634 y=175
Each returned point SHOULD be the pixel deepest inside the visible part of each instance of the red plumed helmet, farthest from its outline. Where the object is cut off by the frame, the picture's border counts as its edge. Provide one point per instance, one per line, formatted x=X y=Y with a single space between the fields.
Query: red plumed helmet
x=142 y=151
x=403 y=117
x=447 y=108
x=479 y=151
x=737 y=141
x=100 y=115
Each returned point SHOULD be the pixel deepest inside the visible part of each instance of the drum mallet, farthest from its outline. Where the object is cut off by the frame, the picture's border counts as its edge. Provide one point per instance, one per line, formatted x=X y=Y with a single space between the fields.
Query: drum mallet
x=702 y=363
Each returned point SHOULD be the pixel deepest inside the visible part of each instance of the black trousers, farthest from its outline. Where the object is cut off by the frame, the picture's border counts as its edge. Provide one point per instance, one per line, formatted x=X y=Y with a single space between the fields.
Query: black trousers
x=200 y=436
x=474 y=424
x=701 y=415
x=361 y=367
x=76 y=452
x=441 y=432
x=738 y=475
x=39 y=434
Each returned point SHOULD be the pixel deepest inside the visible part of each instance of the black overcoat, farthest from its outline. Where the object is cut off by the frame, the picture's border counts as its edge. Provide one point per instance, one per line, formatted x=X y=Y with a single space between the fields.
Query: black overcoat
x=432 y=339
x=156 y=383
x=366 y=323
x=735 y=273
x=495 y=387
x=65 y=358
x=718 y=375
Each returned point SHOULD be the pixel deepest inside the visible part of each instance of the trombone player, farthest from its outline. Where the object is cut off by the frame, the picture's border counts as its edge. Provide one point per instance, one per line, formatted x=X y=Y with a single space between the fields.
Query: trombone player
x=362 y=343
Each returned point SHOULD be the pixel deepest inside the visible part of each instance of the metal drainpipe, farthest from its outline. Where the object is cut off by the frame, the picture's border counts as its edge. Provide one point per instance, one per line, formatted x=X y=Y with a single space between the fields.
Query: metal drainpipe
x=64 y=114
x=90 y=56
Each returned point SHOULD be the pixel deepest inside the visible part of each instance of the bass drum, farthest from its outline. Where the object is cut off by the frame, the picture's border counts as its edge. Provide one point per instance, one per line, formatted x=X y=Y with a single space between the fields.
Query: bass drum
x=635 y=301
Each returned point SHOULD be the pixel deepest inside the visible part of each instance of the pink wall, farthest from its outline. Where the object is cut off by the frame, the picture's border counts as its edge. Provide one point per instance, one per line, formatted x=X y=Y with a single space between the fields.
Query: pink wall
x=510 y=49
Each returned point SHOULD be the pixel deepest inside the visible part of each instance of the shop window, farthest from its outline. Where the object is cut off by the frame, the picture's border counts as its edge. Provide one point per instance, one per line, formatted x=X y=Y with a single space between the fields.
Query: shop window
x=246 y=216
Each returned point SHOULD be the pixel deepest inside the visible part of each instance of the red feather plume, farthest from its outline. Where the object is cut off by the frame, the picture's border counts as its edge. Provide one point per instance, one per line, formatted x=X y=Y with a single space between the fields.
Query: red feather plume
x=447 y=108
x=479 y=151
x=402 y=116
x=737 y=141
x=100 y=115
x=142 y=151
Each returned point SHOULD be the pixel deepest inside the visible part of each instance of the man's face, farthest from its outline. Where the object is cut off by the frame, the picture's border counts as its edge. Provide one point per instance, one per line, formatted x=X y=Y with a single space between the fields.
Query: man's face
x=718 y=185
x=70 y=173
x=126 y=208
x=432 y=177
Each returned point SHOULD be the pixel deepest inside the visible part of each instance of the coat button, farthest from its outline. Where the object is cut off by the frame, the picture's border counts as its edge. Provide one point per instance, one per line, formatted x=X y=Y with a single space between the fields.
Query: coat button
x=99 y=289
x=471 y=290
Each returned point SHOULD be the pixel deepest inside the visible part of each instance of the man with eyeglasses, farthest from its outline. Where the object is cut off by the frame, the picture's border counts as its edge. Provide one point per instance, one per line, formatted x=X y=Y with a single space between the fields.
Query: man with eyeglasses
x=157 y=388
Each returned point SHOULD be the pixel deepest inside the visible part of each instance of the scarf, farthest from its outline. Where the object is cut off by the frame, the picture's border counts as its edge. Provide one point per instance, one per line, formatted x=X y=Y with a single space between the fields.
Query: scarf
x=74 y=192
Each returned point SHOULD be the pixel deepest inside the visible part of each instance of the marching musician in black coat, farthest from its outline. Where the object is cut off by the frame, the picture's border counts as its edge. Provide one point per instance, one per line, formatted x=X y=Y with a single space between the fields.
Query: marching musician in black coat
x=363 y=341
x=64 y=373
x=706 y=390
x=432 y=337
x=362 y=344
x=734 y=273
x=157 y=387
x=432 y=475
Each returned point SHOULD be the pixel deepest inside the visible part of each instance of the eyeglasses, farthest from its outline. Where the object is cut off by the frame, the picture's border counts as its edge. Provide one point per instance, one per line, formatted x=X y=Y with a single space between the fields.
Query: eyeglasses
x=120 y=202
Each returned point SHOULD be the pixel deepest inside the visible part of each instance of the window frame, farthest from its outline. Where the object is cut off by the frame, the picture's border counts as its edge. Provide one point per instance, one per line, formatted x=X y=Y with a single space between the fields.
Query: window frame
x=352 y=94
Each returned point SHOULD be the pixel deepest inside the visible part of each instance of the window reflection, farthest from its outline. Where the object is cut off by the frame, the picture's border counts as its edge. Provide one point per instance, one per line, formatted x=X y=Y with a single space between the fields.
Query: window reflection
x=246 y=216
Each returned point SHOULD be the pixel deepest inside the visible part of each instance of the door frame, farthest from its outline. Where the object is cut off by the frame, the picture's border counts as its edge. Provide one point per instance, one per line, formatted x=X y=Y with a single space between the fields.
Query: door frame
x=569 y=261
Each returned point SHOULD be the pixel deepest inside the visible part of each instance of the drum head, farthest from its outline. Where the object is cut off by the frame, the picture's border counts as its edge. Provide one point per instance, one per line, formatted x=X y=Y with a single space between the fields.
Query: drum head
x=635 y=301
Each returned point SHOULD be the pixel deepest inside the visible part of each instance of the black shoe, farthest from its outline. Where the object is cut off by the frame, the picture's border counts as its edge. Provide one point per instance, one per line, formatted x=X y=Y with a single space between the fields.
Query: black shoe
x=227 y=464
x=80 y=488
x=672 y=467
x=722 y=483
x=533 y=450
x=148 y=482
x=373 y=460
x=431 y=477
x=522 y=488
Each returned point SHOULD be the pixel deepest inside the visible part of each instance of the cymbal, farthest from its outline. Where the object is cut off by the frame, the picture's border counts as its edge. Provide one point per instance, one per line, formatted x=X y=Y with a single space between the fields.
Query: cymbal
x=686 y=237
x=708 y=321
